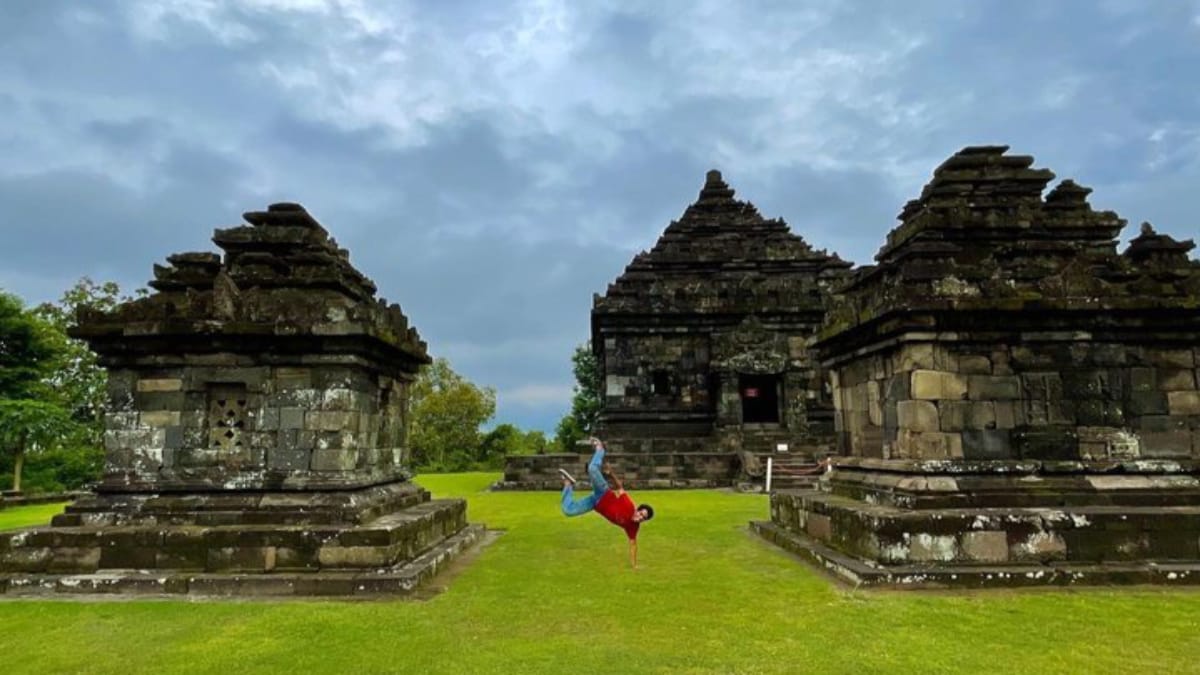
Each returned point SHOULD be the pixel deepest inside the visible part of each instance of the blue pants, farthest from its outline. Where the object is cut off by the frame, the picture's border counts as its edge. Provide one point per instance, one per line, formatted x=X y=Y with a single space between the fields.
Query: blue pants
x=570 y=506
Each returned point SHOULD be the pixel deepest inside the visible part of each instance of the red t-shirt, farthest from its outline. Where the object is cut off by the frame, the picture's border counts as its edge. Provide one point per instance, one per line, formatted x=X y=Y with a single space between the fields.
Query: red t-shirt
x=618 y=511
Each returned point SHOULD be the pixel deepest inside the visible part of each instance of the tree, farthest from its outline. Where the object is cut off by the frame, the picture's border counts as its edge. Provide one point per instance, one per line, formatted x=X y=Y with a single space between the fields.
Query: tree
x=585 y=402
x=28 y=349
x=536 y=443
x=445 y=415
x=79 y=379
x=32 y=417
x=505 y=439
x=568 y=433
x=28 y=426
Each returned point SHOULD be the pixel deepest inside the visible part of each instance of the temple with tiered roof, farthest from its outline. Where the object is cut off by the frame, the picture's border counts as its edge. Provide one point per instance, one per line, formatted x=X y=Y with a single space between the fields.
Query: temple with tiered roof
x=704 y=346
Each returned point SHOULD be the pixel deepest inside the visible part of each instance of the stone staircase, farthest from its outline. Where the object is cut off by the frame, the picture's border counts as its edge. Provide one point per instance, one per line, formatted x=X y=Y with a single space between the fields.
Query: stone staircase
x=793 y=471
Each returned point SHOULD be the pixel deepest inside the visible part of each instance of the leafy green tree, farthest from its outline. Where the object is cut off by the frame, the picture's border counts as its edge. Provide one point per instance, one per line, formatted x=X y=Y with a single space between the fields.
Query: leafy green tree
x=568 y=433
x=505 y=439
x=32 y=417
x=536 y=443
x=28 y=426
x=446 y=411
x=585 y=402
x=79 y=379
x=59 y=468
x=28 y=351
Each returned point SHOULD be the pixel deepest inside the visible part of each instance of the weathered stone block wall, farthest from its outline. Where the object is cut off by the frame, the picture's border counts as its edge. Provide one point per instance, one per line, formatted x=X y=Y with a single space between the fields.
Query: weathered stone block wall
x=638 y=470
x=1064 y=399
x=1019 y=398
x=723 y=293
x=255 y=434
x=274 y=366
x=632 y=361
x=254 y=425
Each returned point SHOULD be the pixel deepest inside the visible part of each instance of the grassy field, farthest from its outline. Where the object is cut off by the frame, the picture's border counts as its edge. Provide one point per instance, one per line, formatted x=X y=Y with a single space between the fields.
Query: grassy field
x=554 y=595
x=24 y=516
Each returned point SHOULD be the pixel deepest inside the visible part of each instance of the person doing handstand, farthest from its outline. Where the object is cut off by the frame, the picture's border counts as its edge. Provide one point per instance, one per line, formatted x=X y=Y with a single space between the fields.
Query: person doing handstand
x=614 y=505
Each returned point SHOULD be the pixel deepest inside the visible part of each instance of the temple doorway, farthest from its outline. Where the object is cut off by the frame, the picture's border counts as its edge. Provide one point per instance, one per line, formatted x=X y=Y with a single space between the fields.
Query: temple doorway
x=760 y=398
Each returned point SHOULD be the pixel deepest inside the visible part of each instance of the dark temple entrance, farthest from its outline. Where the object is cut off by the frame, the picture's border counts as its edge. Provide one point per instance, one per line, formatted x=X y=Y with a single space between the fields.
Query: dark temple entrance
x=760 y=398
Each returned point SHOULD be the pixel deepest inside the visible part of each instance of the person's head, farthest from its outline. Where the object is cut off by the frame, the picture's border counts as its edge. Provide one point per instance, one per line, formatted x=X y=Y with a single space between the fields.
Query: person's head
x=643 y=513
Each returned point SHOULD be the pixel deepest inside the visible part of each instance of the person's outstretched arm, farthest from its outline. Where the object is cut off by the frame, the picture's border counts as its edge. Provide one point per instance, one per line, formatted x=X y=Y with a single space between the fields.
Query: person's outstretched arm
x=633 y=553
x=620 y=487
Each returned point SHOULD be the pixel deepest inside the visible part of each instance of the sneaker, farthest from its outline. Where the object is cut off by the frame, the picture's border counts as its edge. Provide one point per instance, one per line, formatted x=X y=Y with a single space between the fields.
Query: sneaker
x=567 y=476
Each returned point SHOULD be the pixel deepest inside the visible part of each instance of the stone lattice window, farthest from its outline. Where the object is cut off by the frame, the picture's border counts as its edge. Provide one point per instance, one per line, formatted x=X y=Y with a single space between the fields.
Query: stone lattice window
x=227 y=406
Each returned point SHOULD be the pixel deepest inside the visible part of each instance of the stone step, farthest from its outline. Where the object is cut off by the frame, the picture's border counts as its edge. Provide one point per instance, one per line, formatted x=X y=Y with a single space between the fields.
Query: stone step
x=795 y=482
x=242 y=508
x=398 y=580
x=885 y=535
x=910 y=577
x=793 y=471
x=388 y=540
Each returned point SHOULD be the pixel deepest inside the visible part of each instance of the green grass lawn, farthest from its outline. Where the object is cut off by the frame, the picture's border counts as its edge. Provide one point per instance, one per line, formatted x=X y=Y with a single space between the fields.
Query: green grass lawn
x=556 y=595
x=24 y=516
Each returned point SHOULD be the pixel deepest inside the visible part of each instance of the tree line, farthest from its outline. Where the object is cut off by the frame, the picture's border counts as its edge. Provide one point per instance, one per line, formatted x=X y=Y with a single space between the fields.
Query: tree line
x=53 y=393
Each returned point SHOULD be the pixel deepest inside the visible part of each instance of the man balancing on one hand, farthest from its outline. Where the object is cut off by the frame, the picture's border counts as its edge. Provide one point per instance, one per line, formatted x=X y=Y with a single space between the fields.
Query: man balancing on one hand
x=614 y=505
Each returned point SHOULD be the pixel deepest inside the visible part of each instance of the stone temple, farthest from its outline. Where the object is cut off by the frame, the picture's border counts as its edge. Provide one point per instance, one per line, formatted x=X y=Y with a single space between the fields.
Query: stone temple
x=1017 y=402
x=255 y=434
x=704 y=346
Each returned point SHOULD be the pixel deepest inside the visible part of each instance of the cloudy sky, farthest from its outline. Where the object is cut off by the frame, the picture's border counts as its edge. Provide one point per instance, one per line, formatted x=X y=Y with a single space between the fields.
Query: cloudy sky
x=492 y=164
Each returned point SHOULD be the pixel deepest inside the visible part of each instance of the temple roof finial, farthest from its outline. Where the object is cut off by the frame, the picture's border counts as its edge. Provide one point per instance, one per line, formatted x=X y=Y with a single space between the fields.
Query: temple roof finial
x=715 y=188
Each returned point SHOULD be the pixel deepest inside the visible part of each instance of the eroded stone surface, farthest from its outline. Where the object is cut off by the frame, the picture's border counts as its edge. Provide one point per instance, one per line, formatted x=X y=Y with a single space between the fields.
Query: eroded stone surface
x=256 y=426
x=272 y=367
x=1044 y=380
x=707 y=335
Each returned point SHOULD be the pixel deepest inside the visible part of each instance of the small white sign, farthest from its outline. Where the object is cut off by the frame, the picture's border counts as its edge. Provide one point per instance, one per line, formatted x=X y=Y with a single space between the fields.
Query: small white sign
x=781 y=447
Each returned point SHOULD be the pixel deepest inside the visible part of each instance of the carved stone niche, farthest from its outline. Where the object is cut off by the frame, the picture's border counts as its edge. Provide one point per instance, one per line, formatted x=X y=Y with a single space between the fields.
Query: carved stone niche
x=750 y=348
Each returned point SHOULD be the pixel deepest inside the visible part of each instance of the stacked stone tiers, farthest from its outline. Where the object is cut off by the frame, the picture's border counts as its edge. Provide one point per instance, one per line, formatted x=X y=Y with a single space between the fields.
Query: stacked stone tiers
x=274 y=367
x=722 y=257
x=1018 y=403
x=388 y=541
x=921 y=524
x=255 y=434
x=724 y=292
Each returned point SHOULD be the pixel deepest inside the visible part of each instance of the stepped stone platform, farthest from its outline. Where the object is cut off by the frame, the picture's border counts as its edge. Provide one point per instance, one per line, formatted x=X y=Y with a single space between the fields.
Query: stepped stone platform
x=922 y=524
x=255 y=435
x=949 y=576
x=390 y=555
